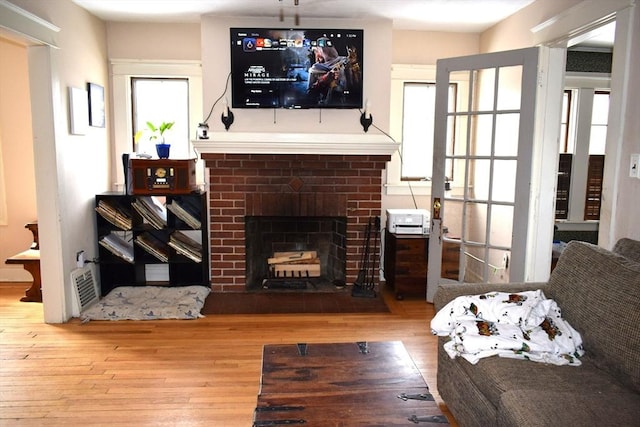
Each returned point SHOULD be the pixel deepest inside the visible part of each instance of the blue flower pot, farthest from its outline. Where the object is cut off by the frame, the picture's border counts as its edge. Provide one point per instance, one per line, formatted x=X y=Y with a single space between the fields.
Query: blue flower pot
x=163 y=150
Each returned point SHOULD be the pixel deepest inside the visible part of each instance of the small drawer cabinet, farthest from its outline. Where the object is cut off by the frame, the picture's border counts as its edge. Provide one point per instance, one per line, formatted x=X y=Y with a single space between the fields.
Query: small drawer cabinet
x=406 y=258
x=405 y=264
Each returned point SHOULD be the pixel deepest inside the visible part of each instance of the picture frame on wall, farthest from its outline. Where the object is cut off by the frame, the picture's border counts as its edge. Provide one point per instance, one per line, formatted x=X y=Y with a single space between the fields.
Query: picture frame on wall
x=78 y=111
x=96 y=105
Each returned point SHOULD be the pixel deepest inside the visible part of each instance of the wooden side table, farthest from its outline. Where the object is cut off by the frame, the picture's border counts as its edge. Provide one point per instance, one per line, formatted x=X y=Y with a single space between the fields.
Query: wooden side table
x=30 y=260
x=406 y=258
x=405 y=264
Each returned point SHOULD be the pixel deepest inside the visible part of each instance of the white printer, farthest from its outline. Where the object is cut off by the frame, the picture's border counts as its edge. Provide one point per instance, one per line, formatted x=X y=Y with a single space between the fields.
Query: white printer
x=408 y=221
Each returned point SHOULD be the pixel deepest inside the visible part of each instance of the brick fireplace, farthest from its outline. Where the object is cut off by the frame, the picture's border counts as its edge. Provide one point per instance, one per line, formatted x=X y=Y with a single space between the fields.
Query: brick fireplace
x=289 y=176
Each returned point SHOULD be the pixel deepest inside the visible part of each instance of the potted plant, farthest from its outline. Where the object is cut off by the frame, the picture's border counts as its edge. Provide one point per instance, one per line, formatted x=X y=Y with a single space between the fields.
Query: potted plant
x=157 y=133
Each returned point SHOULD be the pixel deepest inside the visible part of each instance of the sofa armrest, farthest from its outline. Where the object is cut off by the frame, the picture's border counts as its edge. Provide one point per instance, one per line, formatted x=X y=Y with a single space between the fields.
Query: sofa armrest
x=449 y=291
x=628 y=248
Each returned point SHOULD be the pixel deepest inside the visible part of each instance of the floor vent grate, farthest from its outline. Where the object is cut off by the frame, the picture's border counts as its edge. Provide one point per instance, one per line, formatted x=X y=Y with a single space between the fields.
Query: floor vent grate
x=86 y=288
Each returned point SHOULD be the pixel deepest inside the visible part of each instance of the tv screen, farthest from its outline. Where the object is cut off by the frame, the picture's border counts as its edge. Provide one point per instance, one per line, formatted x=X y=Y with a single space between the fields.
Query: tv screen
x=296 y=68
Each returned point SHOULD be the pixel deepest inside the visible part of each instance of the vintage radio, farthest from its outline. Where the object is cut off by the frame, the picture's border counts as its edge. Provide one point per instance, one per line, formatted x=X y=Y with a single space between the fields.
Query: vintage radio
x=161 y=176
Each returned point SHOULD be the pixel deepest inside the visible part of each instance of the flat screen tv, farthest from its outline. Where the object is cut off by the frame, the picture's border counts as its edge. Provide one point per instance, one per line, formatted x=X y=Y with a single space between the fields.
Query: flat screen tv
x=296 y=68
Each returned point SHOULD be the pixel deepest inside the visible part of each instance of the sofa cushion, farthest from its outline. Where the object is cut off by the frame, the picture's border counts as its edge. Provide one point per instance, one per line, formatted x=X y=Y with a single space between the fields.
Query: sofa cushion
x=583 y=407
x=598 y=292
x=494 y=376
x=467 y=403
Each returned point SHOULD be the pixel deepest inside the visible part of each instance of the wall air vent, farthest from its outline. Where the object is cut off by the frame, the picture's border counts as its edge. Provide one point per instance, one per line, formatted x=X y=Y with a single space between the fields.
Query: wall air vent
x=85 y=287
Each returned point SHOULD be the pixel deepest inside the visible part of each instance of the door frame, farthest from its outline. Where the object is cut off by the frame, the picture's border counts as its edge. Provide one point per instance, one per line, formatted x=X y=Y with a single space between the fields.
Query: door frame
x=555 y=34
x=578 y=20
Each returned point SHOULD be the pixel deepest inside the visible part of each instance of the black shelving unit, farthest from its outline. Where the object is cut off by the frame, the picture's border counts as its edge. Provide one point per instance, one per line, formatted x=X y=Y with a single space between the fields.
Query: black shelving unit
x=140 y=267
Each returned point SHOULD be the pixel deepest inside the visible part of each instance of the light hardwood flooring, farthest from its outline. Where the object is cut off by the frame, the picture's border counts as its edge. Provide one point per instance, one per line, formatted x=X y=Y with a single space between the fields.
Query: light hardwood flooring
x=170 y=373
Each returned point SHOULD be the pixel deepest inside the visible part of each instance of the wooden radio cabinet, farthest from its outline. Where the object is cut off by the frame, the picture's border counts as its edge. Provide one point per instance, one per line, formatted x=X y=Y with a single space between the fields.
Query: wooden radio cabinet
x=161 y=176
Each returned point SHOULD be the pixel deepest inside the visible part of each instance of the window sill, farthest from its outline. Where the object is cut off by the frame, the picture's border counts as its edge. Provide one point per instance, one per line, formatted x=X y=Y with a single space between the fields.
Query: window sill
x=405 y=189
x=568 y=225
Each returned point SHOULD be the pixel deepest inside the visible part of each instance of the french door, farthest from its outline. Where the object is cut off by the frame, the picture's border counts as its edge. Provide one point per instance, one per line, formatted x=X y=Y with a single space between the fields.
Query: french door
x=482 y=167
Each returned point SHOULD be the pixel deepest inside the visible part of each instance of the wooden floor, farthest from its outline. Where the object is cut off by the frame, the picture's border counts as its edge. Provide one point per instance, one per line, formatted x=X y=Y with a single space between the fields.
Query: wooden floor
x=170 y=373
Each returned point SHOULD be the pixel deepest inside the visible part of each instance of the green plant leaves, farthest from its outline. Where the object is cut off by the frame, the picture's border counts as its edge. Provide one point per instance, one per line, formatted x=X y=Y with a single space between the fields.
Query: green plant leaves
x=160 y=129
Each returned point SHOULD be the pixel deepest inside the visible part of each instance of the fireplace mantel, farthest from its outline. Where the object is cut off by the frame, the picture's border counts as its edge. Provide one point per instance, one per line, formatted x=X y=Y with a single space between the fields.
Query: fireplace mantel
x=295 y=143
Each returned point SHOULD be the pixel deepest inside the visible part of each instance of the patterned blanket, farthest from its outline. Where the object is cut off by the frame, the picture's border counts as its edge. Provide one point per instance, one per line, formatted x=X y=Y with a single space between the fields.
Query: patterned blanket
x=149 y=303
x=525 y=325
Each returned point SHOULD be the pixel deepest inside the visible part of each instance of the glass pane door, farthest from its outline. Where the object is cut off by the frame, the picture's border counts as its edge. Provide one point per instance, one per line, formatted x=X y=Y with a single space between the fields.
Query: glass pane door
x=476 y=210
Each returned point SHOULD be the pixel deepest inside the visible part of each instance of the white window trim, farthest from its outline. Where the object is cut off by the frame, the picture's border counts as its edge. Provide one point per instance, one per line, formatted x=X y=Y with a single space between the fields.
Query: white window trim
x=581 y=82
x=121 y=72
x=401 y=74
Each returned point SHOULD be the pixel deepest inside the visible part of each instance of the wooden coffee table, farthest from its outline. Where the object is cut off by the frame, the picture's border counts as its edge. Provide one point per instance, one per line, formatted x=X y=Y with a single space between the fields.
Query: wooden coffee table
x=365 y=383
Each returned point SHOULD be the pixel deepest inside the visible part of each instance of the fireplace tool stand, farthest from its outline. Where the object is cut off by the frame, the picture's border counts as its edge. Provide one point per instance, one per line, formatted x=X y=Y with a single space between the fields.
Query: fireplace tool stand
x=365 y=282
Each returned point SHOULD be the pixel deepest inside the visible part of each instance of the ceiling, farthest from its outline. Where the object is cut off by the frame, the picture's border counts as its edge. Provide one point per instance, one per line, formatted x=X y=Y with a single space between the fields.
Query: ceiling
x=425 y=15
x=599 y=38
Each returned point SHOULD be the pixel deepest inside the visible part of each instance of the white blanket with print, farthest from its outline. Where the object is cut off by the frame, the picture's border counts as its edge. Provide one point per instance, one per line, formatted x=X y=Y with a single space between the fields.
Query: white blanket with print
x=525 y=325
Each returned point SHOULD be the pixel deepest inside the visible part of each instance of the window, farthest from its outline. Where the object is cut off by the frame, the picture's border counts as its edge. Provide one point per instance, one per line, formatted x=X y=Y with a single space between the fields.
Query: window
x=599 y=119
x=123 y=73
x=585 y=113
x=577 y=105
x=412 y=124
x=564 y=123
x=417 y=129
x=158 y=100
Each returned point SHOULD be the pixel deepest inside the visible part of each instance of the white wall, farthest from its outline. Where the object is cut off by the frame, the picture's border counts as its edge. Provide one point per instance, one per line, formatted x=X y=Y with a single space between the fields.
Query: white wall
x=16 y=155
x=419 y=51
x=620 y=209
x=516 y=31
x=70 y=169
x=175 y=42
x=376 y=76
x=426 y=47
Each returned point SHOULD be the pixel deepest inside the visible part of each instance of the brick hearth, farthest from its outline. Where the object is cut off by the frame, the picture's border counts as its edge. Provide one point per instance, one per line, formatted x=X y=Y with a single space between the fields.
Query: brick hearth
x=287 y=185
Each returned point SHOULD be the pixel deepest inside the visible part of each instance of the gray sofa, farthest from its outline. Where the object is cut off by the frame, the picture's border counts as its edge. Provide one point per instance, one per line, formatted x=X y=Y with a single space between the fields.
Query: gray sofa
x=598 y=292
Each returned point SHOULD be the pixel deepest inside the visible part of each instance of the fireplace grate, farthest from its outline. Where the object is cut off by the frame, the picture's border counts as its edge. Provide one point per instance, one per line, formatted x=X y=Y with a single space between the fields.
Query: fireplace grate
x=290 y=284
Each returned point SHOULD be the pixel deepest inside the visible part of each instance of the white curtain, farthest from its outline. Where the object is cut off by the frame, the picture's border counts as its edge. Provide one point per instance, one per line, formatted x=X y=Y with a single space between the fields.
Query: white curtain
x=4 y=216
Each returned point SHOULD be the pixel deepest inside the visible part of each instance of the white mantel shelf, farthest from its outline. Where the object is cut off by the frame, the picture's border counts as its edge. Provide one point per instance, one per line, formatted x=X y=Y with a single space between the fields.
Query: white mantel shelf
x=295 y=143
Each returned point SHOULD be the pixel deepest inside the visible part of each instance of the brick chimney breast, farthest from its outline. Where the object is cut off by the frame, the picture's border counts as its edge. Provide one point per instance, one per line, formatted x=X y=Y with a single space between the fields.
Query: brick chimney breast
x=296 y=184
x=241 y=184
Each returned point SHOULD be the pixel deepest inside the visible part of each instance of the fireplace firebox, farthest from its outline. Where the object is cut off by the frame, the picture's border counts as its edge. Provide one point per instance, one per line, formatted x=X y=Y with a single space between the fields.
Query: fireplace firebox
x=324 y=236
x=341 y=188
